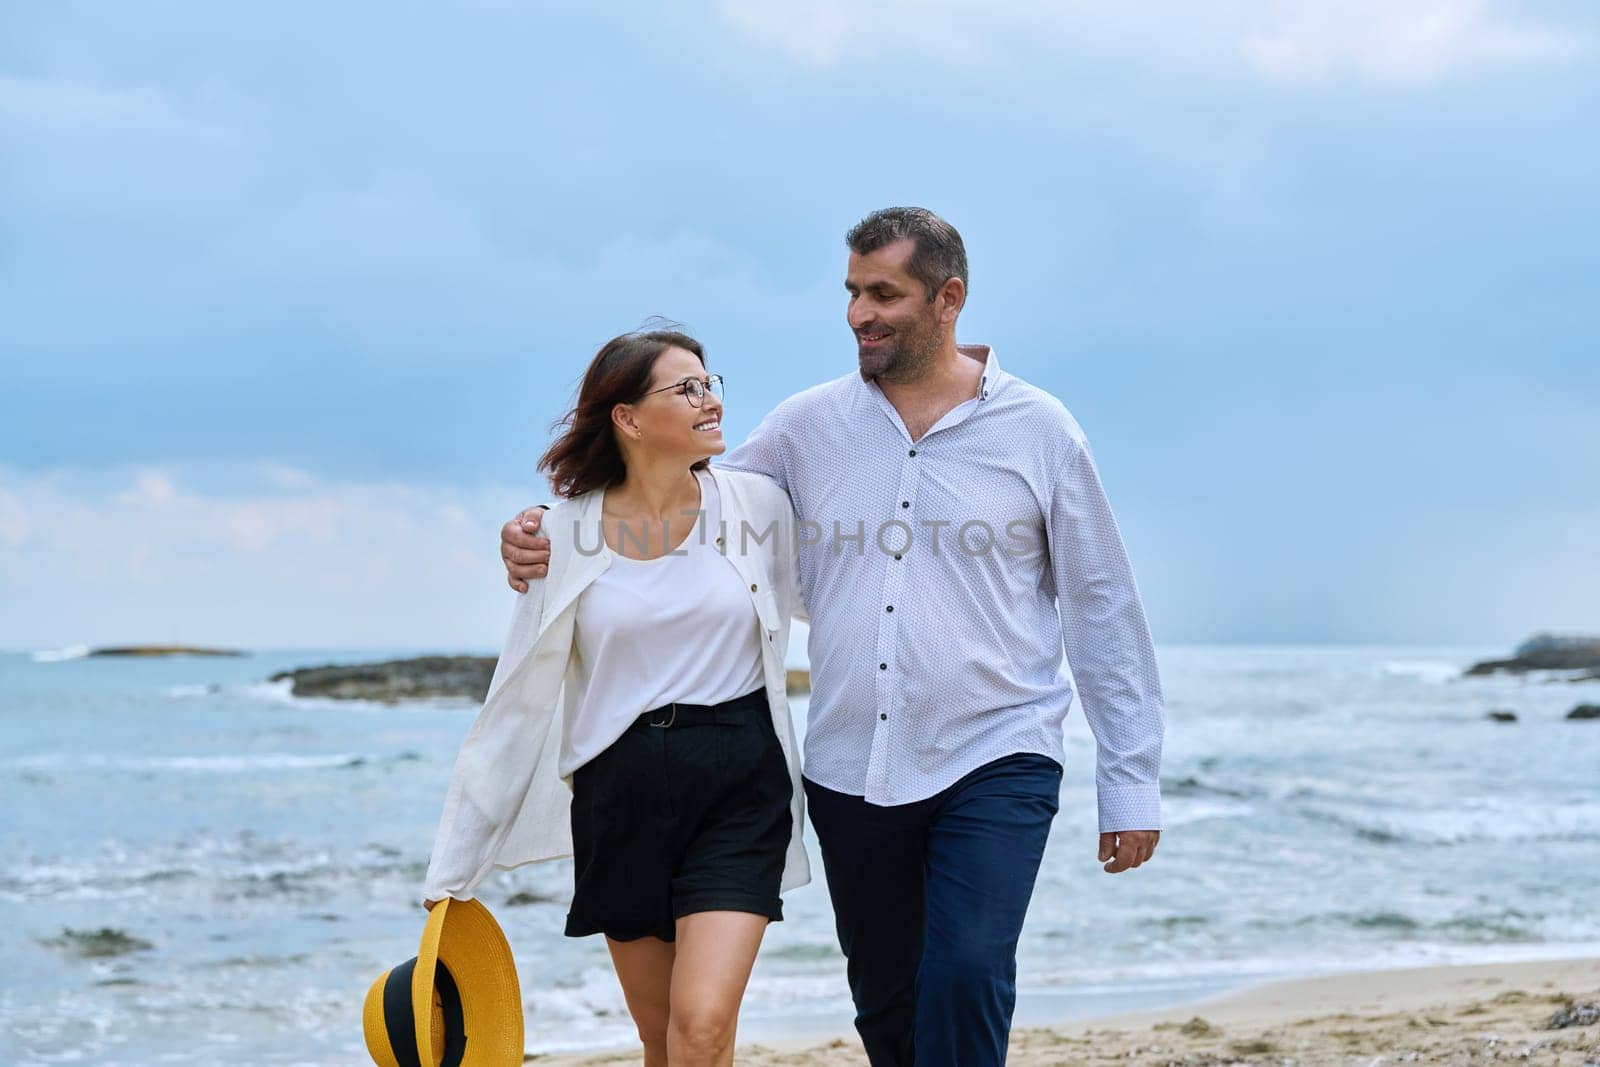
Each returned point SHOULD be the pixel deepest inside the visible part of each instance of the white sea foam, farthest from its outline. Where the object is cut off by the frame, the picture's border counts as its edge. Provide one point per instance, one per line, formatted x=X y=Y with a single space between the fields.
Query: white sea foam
x=1490 y=821
x=1429 y=670
x=282 y=692
x=1105 y=977
x=219 y=764
x=1181 y=812
x=59 y=655
x=595 y=1003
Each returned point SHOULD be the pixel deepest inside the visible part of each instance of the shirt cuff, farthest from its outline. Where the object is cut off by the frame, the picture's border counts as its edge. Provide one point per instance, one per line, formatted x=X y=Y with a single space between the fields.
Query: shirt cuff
x=1129 y=807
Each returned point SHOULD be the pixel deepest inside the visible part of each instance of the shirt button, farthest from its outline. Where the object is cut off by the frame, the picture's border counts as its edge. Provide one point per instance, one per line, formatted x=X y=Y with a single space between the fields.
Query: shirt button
x=752 y=588
x=913 y=451
x=889 y=608
x=883 y=666
x=905 y=503
x=884 y=716
x=897 y=557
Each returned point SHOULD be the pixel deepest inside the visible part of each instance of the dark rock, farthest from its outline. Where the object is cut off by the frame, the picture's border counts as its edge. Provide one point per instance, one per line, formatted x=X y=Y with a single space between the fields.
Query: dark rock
x=525 y=897
x=95 y=944
x=1545 y=653
x=392 y=681
x=1585 y=711
x=1575 y=1014
x=1503 y=716
x=164 y=650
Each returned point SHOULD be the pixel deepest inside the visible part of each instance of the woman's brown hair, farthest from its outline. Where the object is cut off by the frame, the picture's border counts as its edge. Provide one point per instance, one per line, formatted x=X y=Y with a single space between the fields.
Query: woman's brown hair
x=585 y=455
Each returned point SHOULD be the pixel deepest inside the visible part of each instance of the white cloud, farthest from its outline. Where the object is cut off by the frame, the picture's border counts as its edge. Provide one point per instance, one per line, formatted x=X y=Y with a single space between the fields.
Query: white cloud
x=13 y=520
x=143 y=553
x=1376 y=41
x=82 y=150
x=1416 y=41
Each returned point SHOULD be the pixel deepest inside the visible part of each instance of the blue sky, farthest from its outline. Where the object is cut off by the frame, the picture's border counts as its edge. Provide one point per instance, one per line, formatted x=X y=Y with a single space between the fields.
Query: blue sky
x=290 y=295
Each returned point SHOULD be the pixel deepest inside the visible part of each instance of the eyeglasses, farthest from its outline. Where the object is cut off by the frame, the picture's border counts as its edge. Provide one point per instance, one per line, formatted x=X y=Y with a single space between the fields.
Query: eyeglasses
x=695 y=389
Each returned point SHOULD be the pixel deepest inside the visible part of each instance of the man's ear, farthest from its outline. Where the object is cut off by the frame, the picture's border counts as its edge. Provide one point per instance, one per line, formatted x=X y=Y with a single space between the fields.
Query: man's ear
x=953 y=293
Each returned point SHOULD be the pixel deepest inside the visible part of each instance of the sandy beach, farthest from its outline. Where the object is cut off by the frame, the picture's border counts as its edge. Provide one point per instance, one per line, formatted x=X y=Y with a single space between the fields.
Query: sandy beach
x=1458 y=1014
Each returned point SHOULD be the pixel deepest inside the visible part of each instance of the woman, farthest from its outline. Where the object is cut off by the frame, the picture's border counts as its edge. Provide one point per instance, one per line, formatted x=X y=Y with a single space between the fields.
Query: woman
x=667 y=767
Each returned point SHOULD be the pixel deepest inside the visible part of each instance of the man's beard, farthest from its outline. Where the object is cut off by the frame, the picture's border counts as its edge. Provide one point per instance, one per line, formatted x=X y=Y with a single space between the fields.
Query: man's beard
x=907 y=356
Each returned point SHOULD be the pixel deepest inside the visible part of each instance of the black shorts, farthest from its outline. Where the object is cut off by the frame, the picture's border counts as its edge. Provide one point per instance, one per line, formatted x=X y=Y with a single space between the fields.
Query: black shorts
x=675 y=819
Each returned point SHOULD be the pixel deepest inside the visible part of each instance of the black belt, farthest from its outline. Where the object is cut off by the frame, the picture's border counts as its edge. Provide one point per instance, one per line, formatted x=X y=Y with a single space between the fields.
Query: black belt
x=729 y=712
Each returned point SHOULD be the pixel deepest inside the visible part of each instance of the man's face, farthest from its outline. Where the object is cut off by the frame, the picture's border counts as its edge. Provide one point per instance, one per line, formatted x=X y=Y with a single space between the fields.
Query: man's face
x=897 y=328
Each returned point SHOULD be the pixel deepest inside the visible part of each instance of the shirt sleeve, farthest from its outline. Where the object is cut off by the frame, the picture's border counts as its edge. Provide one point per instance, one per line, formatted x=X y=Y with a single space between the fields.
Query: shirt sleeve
x=468 y=838
x=1108 y=647
x=765 y=451
x=789 y=546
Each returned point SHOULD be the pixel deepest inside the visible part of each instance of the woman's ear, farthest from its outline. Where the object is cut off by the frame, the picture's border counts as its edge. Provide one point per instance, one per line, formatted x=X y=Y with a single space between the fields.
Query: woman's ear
x=622 y=418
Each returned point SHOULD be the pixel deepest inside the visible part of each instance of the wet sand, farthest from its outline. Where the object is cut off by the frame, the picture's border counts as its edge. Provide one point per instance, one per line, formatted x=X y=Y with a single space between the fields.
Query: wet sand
x=1455 y=1015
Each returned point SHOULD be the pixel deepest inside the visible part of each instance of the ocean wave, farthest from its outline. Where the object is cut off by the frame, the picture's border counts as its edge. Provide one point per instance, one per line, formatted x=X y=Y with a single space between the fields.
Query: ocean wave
x=1192 y=786
x=183 y=692
x=1456 y=826
x=1182 y=813
x=1424 y=670
x=593 y=1000
x=1101 y=976
x=239 y=866
x=219 y=764
x=282 y=692
x=59 y=655
x=1500 y=927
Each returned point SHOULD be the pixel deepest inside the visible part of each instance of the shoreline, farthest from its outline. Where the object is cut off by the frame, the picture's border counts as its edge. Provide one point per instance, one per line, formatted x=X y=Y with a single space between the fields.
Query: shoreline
x=1445 y=1012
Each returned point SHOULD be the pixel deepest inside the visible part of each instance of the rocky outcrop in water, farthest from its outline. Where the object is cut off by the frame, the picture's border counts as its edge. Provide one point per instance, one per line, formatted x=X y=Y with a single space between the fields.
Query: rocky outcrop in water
x=1585 y=711
x=392 y=681
x=1546 y=652
x=97 y=944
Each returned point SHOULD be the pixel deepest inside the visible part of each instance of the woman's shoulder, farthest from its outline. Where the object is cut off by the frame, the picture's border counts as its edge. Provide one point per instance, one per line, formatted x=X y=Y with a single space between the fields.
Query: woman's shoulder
x=561 y=521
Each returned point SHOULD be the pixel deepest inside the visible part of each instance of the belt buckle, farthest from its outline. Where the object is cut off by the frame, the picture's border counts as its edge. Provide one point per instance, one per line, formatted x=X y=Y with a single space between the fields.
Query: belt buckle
x=669 y=722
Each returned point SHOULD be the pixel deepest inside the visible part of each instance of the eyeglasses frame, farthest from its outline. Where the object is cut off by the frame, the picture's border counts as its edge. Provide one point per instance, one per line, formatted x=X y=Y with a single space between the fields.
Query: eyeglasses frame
x=705 y=387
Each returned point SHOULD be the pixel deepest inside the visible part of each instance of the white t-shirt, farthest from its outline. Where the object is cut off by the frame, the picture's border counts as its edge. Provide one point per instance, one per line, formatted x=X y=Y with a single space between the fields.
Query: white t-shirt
x=680 y=628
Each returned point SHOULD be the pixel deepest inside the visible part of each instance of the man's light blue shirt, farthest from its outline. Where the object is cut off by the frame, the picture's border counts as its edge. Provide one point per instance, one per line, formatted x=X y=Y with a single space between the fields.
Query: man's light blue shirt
x=944 y=577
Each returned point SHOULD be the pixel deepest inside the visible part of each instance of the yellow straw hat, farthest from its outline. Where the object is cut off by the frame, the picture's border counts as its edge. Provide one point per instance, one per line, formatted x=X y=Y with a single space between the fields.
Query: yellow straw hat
x=456 y=1002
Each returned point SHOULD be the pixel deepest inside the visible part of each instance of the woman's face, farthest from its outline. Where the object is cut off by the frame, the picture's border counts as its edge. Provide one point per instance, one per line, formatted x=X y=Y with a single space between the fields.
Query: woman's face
x=667 y=422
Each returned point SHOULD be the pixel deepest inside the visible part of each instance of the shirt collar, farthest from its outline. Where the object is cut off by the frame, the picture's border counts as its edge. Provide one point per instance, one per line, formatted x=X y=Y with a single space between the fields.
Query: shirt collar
x=987 y=383
x=991 y=367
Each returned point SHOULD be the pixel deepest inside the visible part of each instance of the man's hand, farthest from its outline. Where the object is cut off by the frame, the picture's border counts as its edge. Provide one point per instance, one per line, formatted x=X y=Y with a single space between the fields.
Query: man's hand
x=1127 y=848
x=525 y=553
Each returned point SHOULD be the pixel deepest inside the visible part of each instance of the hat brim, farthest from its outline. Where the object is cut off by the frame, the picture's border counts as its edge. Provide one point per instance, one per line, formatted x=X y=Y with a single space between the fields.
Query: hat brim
x=464 y=936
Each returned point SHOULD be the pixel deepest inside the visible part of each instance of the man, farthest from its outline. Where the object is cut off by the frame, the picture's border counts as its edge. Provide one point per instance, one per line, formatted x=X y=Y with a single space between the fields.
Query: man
x=954 y=537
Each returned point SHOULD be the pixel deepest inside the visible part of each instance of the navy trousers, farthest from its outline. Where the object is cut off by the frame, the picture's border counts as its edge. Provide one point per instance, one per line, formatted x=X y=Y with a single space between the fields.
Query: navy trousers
x=929 y=899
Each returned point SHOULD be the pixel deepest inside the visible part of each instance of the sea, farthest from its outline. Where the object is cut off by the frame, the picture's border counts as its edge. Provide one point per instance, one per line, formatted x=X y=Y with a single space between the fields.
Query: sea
x=199 y=868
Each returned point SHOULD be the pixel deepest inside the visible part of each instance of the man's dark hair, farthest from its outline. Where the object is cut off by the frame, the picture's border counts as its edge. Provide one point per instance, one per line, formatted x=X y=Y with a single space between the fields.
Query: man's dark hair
x=937 y=252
